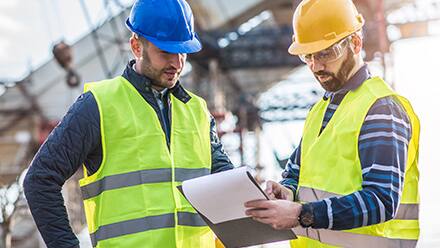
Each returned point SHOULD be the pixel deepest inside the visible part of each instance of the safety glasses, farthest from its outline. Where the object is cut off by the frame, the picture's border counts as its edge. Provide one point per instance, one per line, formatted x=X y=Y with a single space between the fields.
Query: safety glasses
x=328 y=55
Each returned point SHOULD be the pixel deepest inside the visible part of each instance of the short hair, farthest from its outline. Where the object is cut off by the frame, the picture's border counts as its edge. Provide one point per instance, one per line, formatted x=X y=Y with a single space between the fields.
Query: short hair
x=144 y=41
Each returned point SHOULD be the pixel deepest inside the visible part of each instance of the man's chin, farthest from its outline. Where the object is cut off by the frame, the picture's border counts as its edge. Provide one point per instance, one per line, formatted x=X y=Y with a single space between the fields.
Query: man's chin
x=331 y=86
x=169 y=80
x=169 y=83
x=326 y=84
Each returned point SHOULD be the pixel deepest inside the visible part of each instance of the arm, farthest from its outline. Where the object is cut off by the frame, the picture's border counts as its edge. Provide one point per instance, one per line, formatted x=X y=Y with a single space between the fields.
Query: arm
x=291 y=172
x=383 y=146
x=58 y=159
x=220 y=160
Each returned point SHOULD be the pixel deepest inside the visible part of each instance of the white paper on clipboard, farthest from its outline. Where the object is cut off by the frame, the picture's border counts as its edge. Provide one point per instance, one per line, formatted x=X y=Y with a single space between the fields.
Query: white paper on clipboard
x=221 y=196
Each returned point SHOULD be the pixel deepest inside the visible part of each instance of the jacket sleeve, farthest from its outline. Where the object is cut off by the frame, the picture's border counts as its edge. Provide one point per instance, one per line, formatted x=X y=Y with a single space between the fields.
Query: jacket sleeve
x=64 y=151
x=291 y=171
x=220 y=160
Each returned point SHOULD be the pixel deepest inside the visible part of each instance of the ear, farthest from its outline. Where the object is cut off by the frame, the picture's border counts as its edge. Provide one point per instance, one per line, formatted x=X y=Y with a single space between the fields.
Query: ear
x=136 y=46
x=356 y=44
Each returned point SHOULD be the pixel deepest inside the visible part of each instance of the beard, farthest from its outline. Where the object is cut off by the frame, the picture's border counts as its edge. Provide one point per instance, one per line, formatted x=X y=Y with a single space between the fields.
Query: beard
x=159 y=77
x=338 y=80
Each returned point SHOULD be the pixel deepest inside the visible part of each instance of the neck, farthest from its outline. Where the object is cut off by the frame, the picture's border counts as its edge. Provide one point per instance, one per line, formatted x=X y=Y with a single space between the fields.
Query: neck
x=137 y=69
x=359 y=62
x=158 y=88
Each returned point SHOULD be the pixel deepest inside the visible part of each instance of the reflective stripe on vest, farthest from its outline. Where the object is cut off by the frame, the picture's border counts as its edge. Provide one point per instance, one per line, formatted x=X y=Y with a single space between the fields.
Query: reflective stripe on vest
x=139 y=177
x=347 y=239
x=404 y=211
x=145 y=224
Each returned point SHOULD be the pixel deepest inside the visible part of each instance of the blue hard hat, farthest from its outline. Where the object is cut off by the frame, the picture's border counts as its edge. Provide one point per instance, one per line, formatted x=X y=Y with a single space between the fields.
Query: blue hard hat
x=168 y=24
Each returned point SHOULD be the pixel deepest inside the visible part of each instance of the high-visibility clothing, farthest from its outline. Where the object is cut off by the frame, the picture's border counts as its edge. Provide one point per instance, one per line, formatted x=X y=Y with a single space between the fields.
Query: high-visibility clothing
x=132 y=200
x=330 y=166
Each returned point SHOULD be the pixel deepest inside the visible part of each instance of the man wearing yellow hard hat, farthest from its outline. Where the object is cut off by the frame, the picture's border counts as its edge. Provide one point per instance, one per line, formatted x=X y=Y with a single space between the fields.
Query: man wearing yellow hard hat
x=353 y=180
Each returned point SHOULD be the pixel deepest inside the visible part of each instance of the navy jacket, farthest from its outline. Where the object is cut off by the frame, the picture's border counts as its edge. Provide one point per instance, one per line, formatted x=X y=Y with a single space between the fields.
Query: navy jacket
x=76 y=141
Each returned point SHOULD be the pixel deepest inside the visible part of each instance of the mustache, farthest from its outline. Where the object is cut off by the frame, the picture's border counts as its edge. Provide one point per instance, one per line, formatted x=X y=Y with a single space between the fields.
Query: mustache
x=171 y=69
x=324 y=73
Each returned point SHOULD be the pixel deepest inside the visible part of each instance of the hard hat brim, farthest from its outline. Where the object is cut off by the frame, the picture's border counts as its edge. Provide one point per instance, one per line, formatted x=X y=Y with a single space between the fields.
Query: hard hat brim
x=312 y=47
x=190 y=46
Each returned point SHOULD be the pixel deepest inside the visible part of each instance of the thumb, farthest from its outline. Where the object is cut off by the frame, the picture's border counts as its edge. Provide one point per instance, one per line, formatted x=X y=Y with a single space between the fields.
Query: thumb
x=269 y=187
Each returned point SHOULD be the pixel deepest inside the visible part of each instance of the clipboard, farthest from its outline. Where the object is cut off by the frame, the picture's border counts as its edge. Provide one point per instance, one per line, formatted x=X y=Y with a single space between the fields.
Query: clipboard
x=235 y=230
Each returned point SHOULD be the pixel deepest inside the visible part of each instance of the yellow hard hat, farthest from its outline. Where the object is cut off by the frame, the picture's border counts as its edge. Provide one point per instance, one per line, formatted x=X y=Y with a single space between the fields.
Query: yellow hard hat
x=318 y=24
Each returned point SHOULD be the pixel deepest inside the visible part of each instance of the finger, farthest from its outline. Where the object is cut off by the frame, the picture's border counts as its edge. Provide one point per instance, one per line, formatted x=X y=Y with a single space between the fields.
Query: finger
x=276 y=187
x=263 y=220
x=277 y=190
x=269 y=186
x=271 y=196
x=256 y=203
x=277 y=227
x=258 y=213
x=288 y=195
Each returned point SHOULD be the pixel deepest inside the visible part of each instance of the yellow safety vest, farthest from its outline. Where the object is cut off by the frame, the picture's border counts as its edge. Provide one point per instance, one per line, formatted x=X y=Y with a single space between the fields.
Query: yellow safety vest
x=330 y=166
x=132 y=200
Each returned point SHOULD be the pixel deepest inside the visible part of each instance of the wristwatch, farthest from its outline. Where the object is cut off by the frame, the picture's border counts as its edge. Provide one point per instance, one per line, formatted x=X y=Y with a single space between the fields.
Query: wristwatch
x=306 y=217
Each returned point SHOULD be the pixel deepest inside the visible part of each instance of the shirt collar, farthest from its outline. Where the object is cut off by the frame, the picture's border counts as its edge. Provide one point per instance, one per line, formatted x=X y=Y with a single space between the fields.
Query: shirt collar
x=143 y=83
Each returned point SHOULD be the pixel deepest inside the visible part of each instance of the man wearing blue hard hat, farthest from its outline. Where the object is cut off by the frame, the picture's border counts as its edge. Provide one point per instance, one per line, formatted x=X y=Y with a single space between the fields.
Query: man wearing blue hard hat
x=138 y=136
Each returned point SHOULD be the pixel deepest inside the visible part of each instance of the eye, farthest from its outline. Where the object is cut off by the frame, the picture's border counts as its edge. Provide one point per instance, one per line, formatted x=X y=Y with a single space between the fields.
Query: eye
x=324 y=54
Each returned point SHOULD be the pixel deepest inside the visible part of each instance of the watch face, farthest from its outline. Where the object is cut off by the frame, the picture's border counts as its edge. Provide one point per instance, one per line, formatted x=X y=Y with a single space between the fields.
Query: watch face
x=306 y=219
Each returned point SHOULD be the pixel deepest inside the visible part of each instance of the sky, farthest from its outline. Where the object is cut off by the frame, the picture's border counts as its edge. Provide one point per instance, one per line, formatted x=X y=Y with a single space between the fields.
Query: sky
x=28 y=28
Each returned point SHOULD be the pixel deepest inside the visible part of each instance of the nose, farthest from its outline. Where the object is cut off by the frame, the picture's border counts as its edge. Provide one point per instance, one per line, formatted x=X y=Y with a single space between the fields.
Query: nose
x=177 y=60
x=315 y=65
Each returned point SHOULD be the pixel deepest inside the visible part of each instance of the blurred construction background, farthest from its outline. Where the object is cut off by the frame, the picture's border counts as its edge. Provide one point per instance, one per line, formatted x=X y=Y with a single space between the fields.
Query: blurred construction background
x=258 y=93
